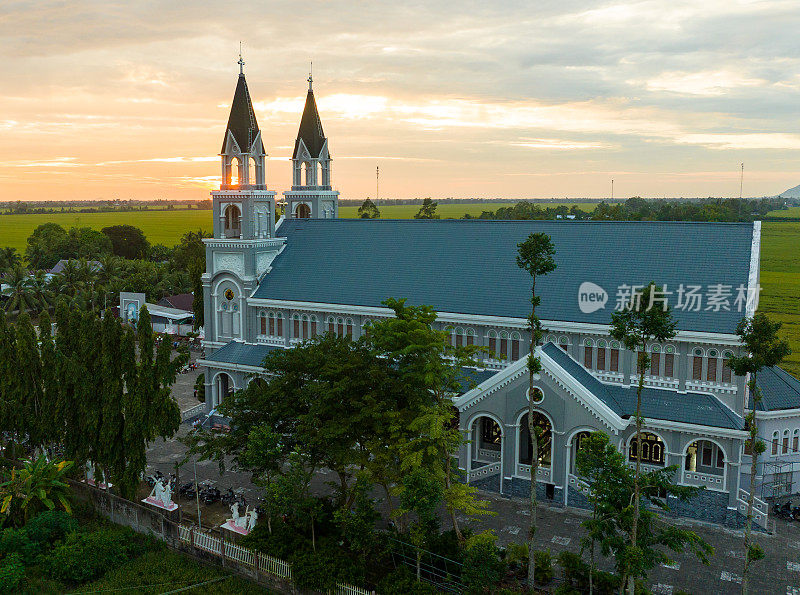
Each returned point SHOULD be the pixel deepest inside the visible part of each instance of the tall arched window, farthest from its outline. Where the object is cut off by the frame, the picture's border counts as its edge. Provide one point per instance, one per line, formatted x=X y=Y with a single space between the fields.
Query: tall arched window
x=588 y=353
x=233 y=222
x=727 y=373
x=601 y=355
x=458 y=337
x=349 y=327
x=303 y=211
x=655 y=360
x=516 y=342
x=613 y=356
x=331 y=322
x=711 y=365
x=796 y=440
x=775 y=442
x=271 y=323
x=651 y=451
x=697 y=364
x=669 y=361
x=470 y=337
x=563 y=342
x=233 y=172
x=492 y=341
x=785 y=443
x=504 y=345
x=251 y=171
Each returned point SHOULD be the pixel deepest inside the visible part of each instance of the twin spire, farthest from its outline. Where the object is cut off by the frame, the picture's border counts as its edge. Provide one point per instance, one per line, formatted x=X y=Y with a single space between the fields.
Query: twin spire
x=243 y=126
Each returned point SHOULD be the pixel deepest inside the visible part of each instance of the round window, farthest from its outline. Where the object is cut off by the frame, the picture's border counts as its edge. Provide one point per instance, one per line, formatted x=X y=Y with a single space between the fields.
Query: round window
x=229 y=294
x=538 y=395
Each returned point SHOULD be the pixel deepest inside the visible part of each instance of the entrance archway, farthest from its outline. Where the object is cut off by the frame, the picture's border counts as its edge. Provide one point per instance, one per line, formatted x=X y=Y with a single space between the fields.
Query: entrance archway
x=223 y=387
x=233 y=222
x=303 y=211
x=541 y=422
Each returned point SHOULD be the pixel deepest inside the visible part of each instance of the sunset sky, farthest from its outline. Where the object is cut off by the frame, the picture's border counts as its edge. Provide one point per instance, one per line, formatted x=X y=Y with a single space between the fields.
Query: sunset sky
x=474 y=99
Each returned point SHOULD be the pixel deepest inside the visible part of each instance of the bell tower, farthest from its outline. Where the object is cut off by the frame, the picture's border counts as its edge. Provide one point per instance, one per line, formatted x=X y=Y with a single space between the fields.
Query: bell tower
x=311 y=195
x=244 y=243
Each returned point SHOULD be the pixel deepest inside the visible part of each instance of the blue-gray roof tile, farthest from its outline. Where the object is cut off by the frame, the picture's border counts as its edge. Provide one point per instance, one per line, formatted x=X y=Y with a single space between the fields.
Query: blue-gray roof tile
x=779 y=390
x=469 y=266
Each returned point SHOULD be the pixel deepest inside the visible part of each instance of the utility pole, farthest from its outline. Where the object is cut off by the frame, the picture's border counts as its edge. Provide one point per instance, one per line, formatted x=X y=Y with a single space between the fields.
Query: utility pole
x=377 y=182
x=741 y=182
x=197 y=497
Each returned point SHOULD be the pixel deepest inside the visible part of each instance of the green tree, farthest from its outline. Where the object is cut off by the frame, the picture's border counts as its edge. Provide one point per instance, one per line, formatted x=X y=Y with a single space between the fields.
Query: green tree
x=40 y=290
x=368 y=210
x=40 y=484
x=19 y=295
x=9 y=407
x=427 y=210
x=617 y=493
x=536 y=256
x=646 y=318
x=198 y=307
x=9 y=258
x=127 y=241
x=44 y=246
x=762 y=348
x=28 y=381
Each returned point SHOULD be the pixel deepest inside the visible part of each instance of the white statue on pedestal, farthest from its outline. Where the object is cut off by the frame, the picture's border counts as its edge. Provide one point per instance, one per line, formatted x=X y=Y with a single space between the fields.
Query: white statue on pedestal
x=252 y=517
x=162 y=491
x=234 y=514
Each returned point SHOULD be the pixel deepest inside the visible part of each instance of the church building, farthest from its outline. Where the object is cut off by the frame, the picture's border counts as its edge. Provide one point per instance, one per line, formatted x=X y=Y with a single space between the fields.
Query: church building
x=272 y=283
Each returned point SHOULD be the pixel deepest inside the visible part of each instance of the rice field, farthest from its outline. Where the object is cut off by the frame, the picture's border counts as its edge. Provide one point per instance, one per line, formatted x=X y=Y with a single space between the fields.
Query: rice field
x=785 y=213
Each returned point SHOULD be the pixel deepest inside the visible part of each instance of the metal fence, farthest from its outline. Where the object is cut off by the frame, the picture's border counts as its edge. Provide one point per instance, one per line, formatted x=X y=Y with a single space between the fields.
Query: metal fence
x=441 y=572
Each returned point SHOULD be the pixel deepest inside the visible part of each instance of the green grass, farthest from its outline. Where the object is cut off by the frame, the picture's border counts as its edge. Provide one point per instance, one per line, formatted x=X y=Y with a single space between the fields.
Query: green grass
x=790 y=212
x=780 y=283
x=451 y=211
x=159 y=227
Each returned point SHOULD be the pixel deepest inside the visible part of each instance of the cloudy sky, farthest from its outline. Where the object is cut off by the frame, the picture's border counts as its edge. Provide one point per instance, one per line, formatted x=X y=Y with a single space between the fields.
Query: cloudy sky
x=485 y=99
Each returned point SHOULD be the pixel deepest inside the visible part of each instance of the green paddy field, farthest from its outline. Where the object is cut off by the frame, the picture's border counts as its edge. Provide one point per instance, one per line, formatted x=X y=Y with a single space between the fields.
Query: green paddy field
x=780 y=246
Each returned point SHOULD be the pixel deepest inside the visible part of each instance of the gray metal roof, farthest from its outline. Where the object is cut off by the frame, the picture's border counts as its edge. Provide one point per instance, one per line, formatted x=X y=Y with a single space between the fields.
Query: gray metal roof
x=242 y=120
x=310 y=128
x=469 y=266
x=779 y=390
x=244 y=354
x=667 y=405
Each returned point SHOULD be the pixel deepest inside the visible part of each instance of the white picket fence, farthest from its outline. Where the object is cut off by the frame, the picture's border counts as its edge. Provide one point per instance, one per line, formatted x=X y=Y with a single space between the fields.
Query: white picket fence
x=263 y=562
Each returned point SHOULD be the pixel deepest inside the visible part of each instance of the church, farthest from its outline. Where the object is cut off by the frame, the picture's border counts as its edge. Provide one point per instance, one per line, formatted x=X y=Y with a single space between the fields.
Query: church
x=273 y=282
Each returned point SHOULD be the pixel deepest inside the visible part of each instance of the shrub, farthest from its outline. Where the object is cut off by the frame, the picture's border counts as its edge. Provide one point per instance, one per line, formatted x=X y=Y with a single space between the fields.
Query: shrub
x=517 y=555
x=309 y=571
x=543 y=567
x=403 y=582
x=482 y=564
x=12 y=571
x=50 y=526
x=576 y=576
x=16 y=542
x=86 y=556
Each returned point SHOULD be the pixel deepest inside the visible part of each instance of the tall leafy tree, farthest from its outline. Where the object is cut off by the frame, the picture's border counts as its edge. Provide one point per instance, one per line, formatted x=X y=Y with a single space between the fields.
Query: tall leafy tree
x=50 y=429
x=536 y=256
x=9 y=409
x=9 y=258
x=646 y=318
x=616 y=492
x=127 y=241
x=30 y=393
x=19 y=296
x=762 y=348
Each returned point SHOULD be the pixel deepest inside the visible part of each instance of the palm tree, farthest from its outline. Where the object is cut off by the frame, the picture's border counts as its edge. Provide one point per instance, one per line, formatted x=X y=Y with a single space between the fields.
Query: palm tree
x=68 y=281
x=19 y=291
x=39 y=485
x=40 y=290
x=9 y=258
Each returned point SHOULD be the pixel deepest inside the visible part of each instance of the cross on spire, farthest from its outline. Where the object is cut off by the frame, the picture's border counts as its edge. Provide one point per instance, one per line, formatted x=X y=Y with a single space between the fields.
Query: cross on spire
x=241 y=61
x=310 y=76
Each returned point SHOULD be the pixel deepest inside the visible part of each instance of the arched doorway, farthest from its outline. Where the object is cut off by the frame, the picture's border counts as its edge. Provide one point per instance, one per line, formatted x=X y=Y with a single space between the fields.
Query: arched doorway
x=233 y=222
x=704 y=464
x=223 y=387
x=652 y=450
x=541 y=422
x=577 y=443
x=303 y=211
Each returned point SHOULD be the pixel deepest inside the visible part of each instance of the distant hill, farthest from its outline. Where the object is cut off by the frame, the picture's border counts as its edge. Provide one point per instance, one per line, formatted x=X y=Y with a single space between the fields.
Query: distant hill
x=791 y=192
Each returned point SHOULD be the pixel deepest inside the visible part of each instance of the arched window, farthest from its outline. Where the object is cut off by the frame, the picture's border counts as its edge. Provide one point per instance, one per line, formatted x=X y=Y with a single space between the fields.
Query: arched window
x=796 y=440
x=504 y=345
x=775 y=442
x=233 y=172
x=271 y=323
x=516 y=341
x=451 y=335
x=601 y=355
x=331 y=322
x=711 y=365
x=669 y=361
x=349 y=327
x=697 y=364
x=470 y=336
x=313 y=330
x=251 y=171
x=366 y=326
x=588 y=353
x=262 y=320
x=785 y=444
x=652 y=449
x=563 y=342
x=727 y=373
x=303 y=211
x=613 y=356
x=492 y=340
x=340 y=327
x=233 y=222
x=704 y=456
x=655 y=360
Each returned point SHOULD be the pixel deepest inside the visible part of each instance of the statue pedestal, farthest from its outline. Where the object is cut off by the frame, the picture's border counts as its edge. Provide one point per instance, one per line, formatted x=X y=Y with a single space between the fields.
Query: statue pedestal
x=101 y=485
x=159 y=504
x=230 y=526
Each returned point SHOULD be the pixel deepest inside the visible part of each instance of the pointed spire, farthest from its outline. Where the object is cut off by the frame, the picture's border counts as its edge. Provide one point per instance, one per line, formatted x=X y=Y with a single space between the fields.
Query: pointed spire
x=240 y=62
x=242 y=120
x=310 y=125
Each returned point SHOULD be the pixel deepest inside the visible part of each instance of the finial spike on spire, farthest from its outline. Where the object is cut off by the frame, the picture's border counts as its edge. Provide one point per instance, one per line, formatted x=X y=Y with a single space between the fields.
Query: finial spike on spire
x=310 y=76
x=241 y=61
